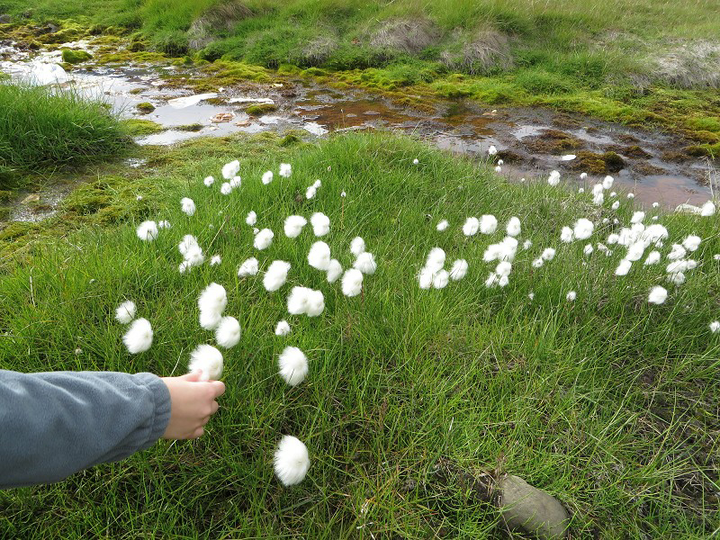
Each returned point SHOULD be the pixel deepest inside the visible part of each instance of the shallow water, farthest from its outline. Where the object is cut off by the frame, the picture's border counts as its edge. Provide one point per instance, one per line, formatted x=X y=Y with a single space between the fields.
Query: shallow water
x=459 y=126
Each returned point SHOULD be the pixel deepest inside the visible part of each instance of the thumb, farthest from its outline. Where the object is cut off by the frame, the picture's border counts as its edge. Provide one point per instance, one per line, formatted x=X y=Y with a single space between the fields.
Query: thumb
x=193 y=376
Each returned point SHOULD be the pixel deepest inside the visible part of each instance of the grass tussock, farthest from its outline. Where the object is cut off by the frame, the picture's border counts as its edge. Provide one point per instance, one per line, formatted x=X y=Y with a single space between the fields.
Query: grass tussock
x=607 y=402
x=43 y=128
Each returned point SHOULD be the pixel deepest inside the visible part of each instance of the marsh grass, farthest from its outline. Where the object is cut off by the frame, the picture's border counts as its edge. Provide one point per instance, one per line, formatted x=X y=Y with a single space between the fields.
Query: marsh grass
x=608 y=403
x=44 y=129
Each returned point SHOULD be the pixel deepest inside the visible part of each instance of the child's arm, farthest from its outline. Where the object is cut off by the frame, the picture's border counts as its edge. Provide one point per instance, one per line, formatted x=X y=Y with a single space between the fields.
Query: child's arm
x=54 y=424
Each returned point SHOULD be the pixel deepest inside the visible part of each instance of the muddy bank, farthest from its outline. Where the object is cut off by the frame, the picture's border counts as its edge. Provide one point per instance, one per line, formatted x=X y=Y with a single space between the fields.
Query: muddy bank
x=162 y=99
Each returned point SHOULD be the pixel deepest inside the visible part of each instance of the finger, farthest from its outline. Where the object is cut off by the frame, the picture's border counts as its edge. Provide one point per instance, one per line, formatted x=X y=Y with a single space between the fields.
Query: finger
x=193 y=376
x=198 y=433
x=218 y=388
x=214 y=407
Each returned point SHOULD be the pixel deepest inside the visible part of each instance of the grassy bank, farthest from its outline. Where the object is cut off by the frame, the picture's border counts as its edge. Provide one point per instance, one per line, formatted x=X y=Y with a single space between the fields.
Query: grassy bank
x=45 y=129
x=607 y=402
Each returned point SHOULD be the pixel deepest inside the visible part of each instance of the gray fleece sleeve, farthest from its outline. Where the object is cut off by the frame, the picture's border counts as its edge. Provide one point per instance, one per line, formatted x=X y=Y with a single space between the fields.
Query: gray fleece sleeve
x=55 y=424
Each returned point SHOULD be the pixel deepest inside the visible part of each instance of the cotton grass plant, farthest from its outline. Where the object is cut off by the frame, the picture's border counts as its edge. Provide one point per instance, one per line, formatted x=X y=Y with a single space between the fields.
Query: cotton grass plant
x=607 y=402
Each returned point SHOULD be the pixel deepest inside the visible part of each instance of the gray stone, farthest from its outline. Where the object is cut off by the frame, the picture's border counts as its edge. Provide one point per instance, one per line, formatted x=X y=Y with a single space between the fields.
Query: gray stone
x=531 y=510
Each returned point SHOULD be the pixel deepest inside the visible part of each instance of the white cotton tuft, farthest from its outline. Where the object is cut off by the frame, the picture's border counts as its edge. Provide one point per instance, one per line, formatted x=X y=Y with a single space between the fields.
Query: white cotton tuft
x=293 y=365
x=637 y=217
x=209 y=181
x=207 y=359
x=317 y=184
x=607 y=182
x=425 y=278
x=707 y=209
x=320 y=223
x=282 y=328
x=652 y=258
x=498 y=169
x=285 y=170
x=310 y=192
x=251 y=218
x=691 y=243
x=236 y=182
x=228 y=332
x=635 y=251
x=291 y=461
x=267 y=177
x=566 y=235
x=294 y=225
x=215 y=260
x=503 y=268
x=677 y=278
x=357 y=246
x=537 y=263
x=139 y=337
x=263 y=239
x=492 y=150
x=583 y=229
x=554 y=178
x=315 y=304
x=527 y=244
x=147 y=231
x=209 y=320
x=164 y=224
x=194 y=256
x=588 y=249
x=188 y=206
x=676 y=252
x=276 y=275
x=513 y=226
x=416 y=161
x=598 y=199
x=503 y=281
x=435 y=260
x=630 y=195
x=248 y=268
x=441 y=279
x=188 y=242
x=125 y=312
x=615 y=205
x=657 y=295
x=715 y=327
x=366 y=263
x=459 y=270
x=548 y=254
x=571 y=296
x=213 y=299
x=183 y=267
x=319 y=256
x=230 y=169
x=298 y=300
x=471 y=226
x=488 y=224
x=334 y=271
x=492 y=280
x=443 y=225
x=352 y=282
x=623 y=268
x=226 y=188
x=583 y=176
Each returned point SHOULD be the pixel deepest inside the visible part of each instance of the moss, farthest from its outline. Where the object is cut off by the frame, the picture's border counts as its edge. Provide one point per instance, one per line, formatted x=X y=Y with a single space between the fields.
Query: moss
x=189 y=127
x=613 y=162
x=704 y=150
x=588 y=162
x=258 y=109
x=145 y=107
x=290 y=139
x=5 y=195
x=552 y=141
x=137 y=127
x=72 y=56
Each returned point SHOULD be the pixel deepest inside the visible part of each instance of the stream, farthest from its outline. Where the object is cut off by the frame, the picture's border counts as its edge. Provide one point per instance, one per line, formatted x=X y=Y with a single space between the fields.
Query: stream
x=531 y=141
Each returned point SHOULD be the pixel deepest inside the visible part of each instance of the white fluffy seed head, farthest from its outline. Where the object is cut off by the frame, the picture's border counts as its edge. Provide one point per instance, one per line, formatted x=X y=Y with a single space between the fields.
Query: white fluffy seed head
x=282 y=328
x=319 y=256
x=236 y=182
x=657 y=295
x=285 y=170
x=248 y=268
x=230 y=169
x=334 y=271
x=209 y=181
x=291 y=461
x=315 y=304
x=187 y=242
x=164 y=224
x=310 y=192
x=263 y=239
x=293 y=365
x=251 y=218
x=715 y=326
x=139 y=336
x=352 y=282
x=707 y=209
x=267 y=177
x=147 y=231
x=366 y=263
x=357 y=246
x=503 y=268
x=488 y=224
x=443 y=225
x=435 y=260
x=623 y=268
x=441 y=279
x=548 y=254
x=571 y=296
x=125 y=312
x=228 y=332
x=691 y=243
x=471 y=226
x=215 y=260
x=637 y=217
x=226 y=188
x=607 y=182
x=513 y=226
x=652 y=258
x=294 y=225
x=213 y=299
x=566 y=235
x=583 y=229
x=209 y=320
x=459 y=270
x=320 y=223
x=276 y=275
x=188 y=206
x=554 y=178
x=298 y=300
x=207 y=359
x=588 y=249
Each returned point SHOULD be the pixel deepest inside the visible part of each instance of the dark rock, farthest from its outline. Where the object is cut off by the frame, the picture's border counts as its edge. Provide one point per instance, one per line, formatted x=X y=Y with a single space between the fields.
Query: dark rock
x=531 y=510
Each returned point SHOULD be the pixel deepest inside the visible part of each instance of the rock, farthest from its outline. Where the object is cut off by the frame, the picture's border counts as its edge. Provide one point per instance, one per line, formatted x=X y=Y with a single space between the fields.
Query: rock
x=686 y=208
x=145 y=107
x=5 y=19
x=531 y=510
x=72 y=56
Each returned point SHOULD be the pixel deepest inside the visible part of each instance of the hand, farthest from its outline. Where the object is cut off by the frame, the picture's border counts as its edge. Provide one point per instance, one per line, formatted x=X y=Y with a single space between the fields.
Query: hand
x=192 y=403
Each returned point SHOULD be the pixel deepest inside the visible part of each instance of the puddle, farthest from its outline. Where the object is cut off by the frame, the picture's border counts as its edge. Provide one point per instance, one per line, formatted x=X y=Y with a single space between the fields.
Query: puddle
x=460 y=126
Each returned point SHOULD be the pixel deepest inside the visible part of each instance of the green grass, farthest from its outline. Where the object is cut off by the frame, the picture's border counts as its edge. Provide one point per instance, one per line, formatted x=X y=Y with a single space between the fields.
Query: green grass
x=43 y=129
x=607 y=403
